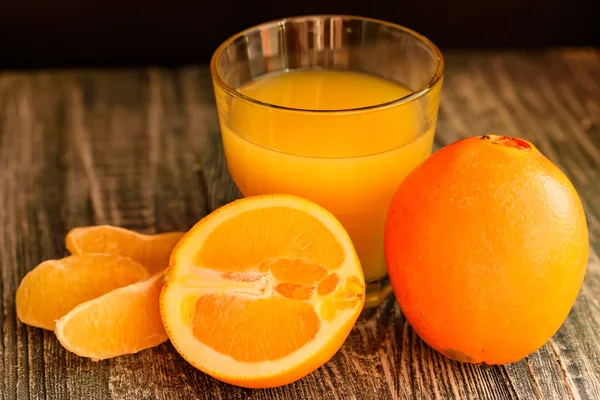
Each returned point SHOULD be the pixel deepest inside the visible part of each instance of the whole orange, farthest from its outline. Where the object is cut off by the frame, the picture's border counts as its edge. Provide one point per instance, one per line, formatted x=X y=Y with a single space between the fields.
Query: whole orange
x=486 y=246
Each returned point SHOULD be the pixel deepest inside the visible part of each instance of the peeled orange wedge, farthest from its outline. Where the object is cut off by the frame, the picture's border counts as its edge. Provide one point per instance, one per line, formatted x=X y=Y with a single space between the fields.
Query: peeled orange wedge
x=54 y=287
x=124 y=321
x=152 y=251
x=262 y=291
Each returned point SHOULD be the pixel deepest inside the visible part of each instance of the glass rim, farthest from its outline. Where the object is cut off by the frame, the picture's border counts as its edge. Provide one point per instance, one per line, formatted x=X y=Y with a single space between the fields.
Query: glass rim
x=412 y=96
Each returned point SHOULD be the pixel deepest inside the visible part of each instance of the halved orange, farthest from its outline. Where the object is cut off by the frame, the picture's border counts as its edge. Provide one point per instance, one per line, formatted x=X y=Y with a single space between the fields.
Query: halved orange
x=262 y=291
x=55 y=287
x=124 y=321
x=152 y=251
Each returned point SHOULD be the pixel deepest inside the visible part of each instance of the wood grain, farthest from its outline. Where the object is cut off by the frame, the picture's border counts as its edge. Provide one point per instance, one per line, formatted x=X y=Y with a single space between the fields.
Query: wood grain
x=141 y=149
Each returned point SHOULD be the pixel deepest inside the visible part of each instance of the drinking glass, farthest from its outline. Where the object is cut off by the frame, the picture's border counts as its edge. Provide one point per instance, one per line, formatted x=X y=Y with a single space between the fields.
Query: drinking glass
x=348 y=160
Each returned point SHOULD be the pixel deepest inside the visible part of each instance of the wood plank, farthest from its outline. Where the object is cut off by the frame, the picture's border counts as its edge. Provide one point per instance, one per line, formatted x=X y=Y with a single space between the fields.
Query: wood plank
x=141 y=149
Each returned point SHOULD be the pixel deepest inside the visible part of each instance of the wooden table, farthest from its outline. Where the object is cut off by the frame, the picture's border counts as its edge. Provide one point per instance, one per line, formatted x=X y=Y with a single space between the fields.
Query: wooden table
x=141 y=149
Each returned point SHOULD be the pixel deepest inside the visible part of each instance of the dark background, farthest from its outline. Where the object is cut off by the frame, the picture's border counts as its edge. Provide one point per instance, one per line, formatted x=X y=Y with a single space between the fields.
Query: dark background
x=76 y=33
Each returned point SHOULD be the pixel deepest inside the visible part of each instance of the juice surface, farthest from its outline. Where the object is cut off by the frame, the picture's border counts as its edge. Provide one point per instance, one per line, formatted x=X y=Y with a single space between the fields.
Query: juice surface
x=350 y=162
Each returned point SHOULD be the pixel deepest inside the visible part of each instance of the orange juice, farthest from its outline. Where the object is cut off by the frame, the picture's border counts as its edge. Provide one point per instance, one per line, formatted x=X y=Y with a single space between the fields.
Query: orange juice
x=319 y=142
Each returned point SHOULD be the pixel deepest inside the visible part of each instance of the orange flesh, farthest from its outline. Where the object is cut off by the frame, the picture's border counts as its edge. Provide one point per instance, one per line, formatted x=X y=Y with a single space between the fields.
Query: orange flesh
x=294 y=271
x=227 y=248
x=219 y=319
x=123 y=321
x=274 y=270
x=55 y=287
x=327 y=285
x=293 y=291
x=152 y=251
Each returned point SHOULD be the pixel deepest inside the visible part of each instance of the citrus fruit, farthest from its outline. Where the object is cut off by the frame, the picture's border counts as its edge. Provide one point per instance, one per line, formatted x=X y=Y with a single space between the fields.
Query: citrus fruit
x=486 y=247
x=123 y=321
x=54 y=287
x=262 y=291
x=152 y=251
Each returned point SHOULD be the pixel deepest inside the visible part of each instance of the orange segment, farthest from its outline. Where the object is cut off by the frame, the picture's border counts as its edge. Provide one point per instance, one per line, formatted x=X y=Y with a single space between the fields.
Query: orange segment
x=294 y=291
x=152 y=251
x=55 y=287
x=327 y=285
x=251 y=296
x=218 y=319
x=124 y=321
x=293 y=271
x=224 y=251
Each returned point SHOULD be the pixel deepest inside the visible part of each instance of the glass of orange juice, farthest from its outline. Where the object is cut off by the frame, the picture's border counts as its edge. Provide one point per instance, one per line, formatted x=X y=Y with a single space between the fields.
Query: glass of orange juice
x=336 y=109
